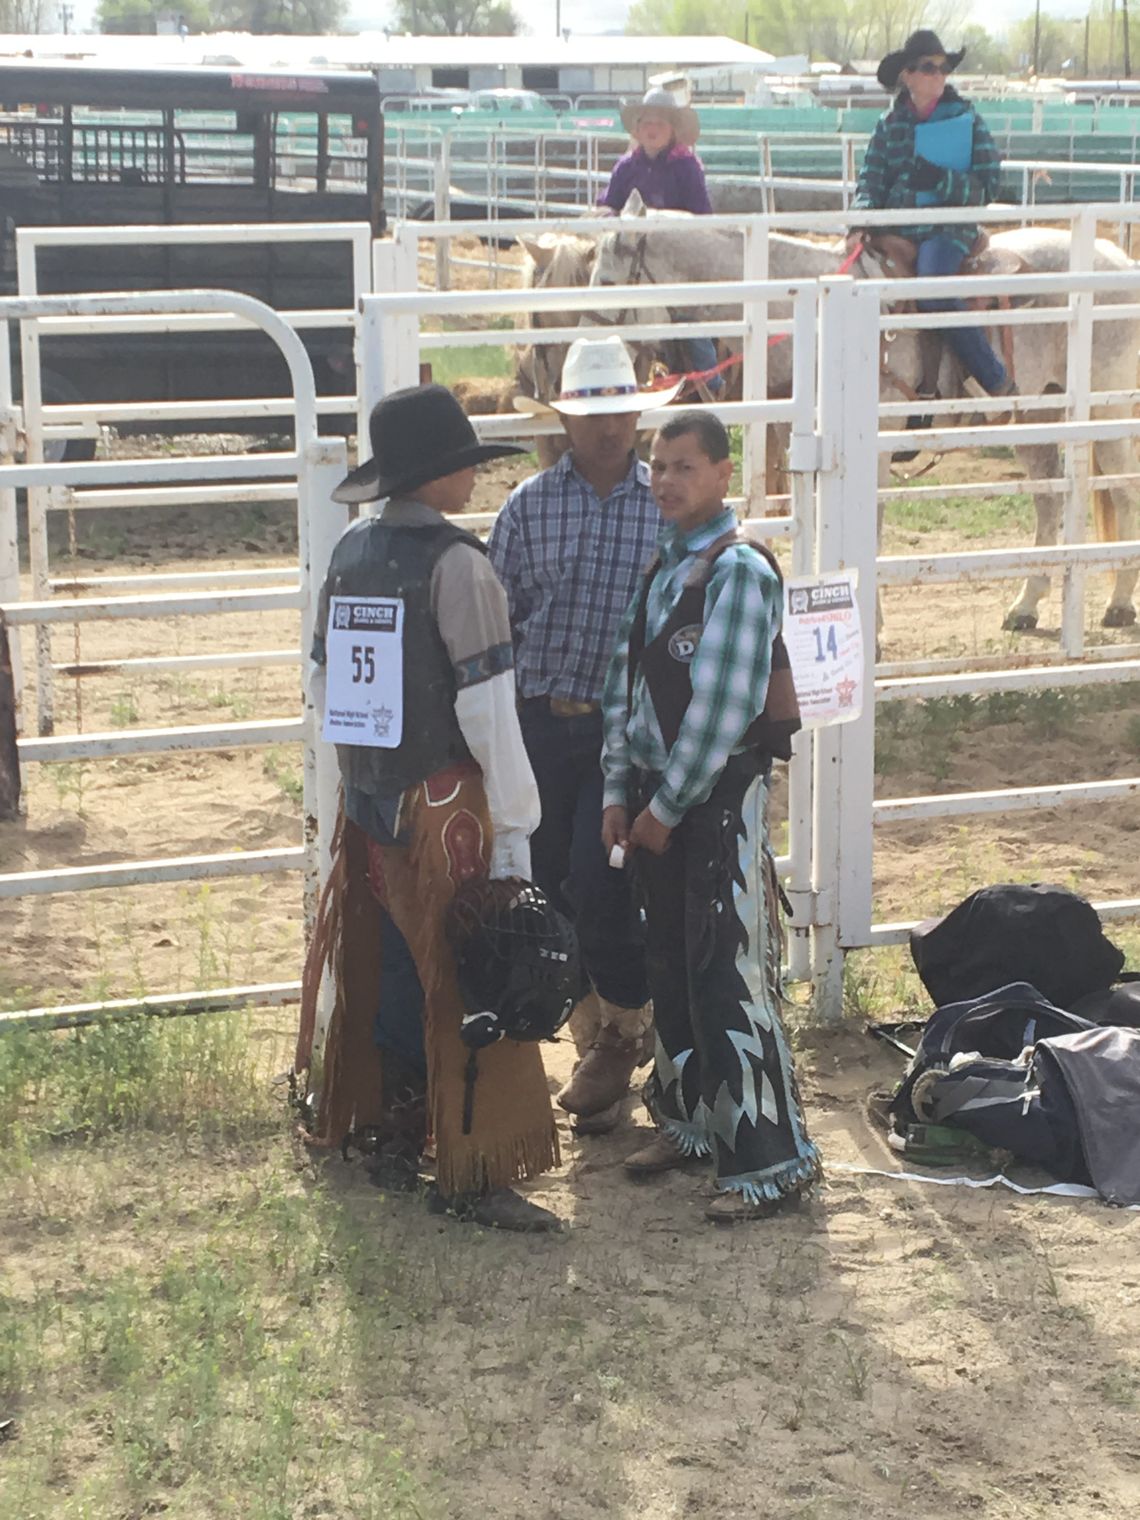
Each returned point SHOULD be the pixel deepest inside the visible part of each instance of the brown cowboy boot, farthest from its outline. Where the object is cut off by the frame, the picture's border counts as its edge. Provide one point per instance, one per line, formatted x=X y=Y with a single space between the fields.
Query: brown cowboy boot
x=602 y=1076
x=662 y=1154
x=398 y=1140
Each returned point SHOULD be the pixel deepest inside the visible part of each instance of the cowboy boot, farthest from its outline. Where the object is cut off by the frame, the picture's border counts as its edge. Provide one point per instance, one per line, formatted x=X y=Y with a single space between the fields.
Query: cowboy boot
x=602 y=1076
x=400 y=1136
x=584 y=1022
x=497 y=1209
x=661 y=1154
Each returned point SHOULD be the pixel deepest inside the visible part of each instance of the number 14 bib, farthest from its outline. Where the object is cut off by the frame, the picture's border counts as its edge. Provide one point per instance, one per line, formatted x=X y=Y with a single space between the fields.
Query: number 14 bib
x=364 y=653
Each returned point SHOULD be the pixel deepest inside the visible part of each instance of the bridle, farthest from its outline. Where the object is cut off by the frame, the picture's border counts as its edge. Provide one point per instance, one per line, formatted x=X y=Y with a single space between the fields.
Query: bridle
x=636 y=274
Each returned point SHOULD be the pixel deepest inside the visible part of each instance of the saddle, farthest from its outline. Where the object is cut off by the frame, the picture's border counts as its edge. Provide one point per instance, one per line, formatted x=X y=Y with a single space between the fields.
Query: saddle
x=898 y=258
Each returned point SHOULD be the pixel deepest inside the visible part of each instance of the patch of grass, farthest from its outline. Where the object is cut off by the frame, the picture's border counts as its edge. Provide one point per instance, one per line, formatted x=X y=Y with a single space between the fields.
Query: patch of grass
x=203 y=1377
x=240 y=703
x=486 y=361
x=923 y=736
x=146 y=1073
x=966 y=516
x=283 y=767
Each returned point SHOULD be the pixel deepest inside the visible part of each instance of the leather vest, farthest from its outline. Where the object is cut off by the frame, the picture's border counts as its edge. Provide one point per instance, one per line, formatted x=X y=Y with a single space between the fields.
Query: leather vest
x=373 y=558
x=664 y=662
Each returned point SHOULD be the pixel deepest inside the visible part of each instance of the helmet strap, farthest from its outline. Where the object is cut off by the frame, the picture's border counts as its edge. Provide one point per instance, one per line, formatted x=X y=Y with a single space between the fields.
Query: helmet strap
x=469 y=1075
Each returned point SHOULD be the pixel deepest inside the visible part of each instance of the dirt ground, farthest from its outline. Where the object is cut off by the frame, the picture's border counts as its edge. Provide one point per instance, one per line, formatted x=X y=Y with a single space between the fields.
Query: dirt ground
x=896 y=1349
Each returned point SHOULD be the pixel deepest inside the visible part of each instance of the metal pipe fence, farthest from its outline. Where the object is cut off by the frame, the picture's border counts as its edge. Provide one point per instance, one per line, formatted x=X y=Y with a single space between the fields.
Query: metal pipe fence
x=313 y=467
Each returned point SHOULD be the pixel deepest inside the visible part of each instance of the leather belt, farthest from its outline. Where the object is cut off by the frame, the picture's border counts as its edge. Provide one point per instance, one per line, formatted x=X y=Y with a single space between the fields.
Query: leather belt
x=564 y=707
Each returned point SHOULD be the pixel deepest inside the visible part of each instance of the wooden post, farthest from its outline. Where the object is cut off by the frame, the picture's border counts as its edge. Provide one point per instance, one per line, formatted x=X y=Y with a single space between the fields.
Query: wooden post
x=9 y=754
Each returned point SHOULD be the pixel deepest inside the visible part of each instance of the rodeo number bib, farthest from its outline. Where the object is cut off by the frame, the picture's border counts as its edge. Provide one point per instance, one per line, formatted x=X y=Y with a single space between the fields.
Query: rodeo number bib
x=825 y=647
x=364 y=653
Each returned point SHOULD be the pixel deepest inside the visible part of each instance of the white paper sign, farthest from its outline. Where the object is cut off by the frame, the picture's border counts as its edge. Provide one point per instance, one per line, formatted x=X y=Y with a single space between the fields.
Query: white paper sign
x=364 y=655
x=825 y=645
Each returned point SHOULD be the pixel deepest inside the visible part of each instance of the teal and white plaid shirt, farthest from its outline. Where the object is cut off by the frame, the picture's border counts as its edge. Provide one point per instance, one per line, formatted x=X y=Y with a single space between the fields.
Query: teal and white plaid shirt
x=743 y=612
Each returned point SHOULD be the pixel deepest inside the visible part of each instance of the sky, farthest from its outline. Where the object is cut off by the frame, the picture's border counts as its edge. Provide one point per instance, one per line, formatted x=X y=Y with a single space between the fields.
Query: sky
x=594 y=16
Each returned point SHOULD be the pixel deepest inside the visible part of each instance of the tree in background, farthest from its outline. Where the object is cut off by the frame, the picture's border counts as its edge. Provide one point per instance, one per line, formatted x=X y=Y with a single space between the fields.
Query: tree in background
x=265 y=17
x=28 y=16
x=985 y=54
x=301 y=17
x=1059 y=43
x=835 y=30
x=138 y=17
x=456 y=18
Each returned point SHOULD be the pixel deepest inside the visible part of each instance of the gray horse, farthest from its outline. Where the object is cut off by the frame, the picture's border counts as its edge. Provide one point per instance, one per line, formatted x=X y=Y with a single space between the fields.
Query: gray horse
x=656 y=247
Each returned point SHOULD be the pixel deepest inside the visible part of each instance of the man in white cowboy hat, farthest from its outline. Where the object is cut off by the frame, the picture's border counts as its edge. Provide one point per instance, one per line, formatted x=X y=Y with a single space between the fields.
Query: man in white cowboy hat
x=570 y=545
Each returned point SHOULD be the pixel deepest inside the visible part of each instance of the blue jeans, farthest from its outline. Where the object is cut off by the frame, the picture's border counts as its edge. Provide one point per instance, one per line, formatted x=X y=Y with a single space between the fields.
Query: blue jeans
x=702 y=355
x=940 y=255
x=399 y=1023
x=567 y=858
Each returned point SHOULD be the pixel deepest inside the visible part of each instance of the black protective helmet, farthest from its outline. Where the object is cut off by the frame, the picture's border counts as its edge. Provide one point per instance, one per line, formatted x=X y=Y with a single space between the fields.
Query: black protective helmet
x=516 y=960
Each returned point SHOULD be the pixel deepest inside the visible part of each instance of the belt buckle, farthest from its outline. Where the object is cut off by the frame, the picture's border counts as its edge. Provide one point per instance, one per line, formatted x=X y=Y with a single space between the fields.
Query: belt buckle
x=566 y=707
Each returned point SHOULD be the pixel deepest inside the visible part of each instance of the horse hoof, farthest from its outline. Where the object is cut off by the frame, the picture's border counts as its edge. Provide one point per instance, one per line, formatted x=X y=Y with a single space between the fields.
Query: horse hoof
x=1118 y=617
x=1020 y=622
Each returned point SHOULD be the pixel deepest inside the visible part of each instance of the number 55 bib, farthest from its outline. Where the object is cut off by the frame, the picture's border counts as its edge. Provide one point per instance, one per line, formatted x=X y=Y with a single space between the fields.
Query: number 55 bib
x=364 y=652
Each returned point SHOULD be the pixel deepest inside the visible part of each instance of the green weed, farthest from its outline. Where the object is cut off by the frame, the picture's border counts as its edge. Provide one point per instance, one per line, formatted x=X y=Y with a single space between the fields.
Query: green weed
x=282 y=767
x=124 y=708
x=69 y=780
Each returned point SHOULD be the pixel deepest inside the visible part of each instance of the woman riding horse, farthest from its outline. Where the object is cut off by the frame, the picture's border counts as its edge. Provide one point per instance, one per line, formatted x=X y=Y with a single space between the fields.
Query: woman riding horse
x=933 y=149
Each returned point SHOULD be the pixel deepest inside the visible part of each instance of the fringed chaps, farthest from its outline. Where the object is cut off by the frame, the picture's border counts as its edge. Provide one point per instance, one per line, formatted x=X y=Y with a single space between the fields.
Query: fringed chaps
x=448 y=828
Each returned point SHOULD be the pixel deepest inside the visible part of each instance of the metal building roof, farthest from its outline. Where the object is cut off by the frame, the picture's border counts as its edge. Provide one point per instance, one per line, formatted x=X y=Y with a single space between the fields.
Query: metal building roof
x=368 y=50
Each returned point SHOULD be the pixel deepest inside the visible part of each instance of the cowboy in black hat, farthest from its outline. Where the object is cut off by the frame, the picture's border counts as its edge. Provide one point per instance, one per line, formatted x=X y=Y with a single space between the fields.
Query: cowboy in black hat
x=413 y=635
x=933 y=149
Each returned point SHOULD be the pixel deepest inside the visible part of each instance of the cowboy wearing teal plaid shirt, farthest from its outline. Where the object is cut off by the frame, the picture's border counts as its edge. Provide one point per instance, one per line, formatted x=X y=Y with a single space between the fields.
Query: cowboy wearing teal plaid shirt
x=689 y=741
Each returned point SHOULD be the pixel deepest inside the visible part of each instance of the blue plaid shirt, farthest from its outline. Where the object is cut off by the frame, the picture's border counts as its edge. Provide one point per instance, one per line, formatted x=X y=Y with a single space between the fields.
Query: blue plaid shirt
x=571 y=564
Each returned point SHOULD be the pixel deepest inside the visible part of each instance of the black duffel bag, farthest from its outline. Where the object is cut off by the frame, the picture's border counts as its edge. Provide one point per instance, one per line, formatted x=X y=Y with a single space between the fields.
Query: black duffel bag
x=1041 y=934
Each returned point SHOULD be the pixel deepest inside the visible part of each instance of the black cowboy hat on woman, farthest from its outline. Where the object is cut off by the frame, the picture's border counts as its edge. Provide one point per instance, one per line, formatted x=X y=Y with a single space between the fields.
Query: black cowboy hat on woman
x=931 y=148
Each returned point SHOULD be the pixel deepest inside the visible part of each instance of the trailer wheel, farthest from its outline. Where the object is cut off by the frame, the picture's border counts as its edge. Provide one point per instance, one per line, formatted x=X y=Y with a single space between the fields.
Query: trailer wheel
x=57 y=389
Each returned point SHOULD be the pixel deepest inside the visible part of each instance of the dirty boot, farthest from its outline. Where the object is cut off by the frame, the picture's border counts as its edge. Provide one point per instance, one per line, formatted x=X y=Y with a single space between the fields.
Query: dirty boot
x=661 y=1154
x=498 y=1209
x=601 y=1077
x=393 y=1157
x=600 y=1123
x=584 y=1022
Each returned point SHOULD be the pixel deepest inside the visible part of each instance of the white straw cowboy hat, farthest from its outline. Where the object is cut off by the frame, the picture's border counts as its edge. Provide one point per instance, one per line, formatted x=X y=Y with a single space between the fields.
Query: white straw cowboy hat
x=597 y=378
x=686 y=123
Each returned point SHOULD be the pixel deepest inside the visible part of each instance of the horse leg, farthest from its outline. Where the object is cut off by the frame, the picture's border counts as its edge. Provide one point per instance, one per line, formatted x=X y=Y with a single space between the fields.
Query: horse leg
x=880 y=510
x=776 y=463
x=1114 y=511
x=1038 y=461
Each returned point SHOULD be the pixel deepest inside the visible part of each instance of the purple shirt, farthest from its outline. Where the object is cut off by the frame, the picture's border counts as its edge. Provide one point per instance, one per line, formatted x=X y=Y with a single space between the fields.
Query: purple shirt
x=673 y=181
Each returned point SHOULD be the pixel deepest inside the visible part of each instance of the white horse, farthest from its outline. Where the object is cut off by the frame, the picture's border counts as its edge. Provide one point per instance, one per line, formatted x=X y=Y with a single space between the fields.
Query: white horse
x=653 y=247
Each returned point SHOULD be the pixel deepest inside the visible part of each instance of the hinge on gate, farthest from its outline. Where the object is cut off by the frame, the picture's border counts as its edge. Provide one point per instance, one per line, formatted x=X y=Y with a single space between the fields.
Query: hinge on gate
x=11 y=433
x=809 y=907
x=805 y=452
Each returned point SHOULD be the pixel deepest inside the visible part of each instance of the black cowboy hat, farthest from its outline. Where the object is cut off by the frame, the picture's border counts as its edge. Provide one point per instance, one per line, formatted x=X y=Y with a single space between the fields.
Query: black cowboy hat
x=920 y=44
x=418 y=434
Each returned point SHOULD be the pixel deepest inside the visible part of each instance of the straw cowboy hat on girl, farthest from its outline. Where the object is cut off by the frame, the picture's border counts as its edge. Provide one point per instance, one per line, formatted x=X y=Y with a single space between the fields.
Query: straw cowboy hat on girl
x=597 y=378
x=683 y=119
